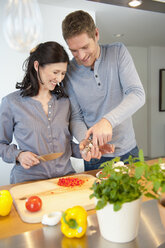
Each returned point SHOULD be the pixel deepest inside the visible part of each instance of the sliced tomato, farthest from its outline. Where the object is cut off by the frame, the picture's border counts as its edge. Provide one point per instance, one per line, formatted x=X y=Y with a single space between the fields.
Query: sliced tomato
x=33 y=203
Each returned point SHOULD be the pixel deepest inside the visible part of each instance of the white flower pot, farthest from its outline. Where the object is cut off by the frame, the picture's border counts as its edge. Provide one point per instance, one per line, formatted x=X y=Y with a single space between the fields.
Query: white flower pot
x=121 y=226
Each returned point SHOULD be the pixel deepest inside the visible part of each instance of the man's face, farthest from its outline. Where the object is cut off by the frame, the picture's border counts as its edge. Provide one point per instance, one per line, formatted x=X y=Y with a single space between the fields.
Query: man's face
x=85 y=49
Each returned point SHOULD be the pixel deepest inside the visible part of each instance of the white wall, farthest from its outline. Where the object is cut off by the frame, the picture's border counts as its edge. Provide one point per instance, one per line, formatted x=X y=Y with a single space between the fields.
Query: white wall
x=140 y=120
x=149 y=123
x=156 y=146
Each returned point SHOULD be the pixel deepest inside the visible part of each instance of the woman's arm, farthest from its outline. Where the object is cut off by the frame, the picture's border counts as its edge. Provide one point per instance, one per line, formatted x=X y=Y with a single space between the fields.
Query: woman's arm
x=8 y=151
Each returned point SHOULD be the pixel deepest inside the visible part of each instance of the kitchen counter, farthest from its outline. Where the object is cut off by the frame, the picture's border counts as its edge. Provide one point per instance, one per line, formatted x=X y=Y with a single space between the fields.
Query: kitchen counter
x=151 y=234
x=12 y=224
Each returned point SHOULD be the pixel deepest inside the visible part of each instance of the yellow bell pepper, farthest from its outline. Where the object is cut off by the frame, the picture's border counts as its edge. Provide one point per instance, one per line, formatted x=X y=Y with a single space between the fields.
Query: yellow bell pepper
x=5 y=202
x=74 y=222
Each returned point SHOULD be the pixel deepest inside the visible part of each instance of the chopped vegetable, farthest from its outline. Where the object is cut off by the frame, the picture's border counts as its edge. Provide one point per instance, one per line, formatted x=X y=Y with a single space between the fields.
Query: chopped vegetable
x=70 y=181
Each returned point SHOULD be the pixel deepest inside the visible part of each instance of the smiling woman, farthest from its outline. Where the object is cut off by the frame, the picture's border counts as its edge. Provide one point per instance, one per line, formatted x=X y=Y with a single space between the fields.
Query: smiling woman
x=41 y=111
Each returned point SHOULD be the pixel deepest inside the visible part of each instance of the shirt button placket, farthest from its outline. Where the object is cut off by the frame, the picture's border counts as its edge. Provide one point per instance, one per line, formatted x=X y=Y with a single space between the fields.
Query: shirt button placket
x=97 y=79
x=49 y=129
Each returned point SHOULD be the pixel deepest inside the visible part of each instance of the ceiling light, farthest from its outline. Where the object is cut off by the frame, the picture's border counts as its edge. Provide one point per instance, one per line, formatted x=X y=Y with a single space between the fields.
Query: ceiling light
x=118 y=35
x=22 y=24
x=135 y=3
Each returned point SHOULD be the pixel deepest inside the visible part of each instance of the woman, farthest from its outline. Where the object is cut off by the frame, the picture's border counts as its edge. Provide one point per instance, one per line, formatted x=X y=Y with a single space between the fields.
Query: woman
x=38 y=116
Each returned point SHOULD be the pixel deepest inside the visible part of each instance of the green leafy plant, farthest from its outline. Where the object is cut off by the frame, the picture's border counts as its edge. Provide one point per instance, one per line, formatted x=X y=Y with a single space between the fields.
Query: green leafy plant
x=123 y=184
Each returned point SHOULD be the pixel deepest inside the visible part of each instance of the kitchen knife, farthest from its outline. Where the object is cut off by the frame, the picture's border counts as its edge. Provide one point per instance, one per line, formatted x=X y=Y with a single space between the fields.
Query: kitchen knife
x=50 y=156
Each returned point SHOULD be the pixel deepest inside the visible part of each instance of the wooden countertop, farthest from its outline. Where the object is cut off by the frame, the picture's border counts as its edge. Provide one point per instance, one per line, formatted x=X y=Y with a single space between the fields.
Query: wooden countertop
x=12 y=224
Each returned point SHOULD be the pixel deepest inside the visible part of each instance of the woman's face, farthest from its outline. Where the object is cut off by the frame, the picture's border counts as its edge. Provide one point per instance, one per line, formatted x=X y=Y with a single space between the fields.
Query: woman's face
x=51 y=74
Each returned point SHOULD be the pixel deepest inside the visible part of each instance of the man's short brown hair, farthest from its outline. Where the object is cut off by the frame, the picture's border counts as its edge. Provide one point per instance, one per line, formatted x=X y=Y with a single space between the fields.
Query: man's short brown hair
x=76 y=23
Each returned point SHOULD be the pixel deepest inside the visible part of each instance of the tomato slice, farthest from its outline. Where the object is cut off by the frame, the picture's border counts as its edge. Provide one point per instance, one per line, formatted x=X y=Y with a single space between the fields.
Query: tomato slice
x=33 y=203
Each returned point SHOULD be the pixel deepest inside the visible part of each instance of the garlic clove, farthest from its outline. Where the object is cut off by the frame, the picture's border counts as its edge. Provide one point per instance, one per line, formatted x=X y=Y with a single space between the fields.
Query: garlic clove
x=52 y=218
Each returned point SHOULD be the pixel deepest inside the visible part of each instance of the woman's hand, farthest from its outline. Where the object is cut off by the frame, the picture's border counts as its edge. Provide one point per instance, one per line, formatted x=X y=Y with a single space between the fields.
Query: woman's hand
x=27 y=159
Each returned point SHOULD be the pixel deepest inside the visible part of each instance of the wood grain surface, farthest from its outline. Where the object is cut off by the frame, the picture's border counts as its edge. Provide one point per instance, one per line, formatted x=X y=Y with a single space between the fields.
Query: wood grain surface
x=53 y=196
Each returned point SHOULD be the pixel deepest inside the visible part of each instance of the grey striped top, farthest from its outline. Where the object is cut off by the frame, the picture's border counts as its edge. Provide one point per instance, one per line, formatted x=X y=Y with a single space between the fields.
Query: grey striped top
x=34 y=131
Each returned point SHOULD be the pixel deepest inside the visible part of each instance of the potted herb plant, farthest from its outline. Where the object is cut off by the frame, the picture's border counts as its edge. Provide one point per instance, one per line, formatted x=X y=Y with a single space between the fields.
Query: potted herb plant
x=118 y=196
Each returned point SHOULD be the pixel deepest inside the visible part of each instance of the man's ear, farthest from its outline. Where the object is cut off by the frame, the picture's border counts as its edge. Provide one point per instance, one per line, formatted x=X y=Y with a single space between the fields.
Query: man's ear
x=97 y=36
x=36 y=65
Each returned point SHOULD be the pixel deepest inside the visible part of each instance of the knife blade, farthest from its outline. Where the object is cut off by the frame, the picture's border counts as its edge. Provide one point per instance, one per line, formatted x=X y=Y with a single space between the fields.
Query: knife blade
x=50 y=156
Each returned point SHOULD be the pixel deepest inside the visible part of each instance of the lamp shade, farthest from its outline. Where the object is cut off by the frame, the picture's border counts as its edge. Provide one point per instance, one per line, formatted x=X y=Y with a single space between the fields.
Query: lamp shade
x=135 y=3
x=22 y=24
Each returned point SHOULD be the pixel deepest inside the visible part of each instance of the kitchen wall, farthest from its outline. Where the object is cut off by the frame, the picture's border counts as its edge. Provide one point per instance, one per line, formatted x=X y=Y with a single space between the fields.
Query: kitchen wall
x=156 y=119
x=148 y=122
x=140 y=120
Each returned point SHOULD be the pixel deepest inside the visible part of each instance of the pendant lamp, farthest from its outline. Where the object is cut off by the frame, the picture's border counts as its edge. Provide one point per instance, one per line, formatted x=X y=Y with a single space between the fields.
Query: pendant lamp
x=22 y=24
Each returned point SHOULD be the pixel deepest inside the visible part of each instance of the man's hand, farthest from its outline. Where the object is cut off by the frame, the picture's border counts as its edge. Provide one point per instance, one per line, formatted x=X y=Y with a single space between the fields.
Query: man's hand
x=107 y=148
x=27 y=159
x=88 y=151
x=101 y=133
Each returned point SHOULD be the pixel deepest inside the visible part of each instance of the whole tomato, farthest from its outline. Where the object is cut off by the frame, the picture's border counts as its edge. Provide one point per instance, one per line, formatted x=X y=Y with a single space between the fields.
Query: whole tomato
x=33 y=203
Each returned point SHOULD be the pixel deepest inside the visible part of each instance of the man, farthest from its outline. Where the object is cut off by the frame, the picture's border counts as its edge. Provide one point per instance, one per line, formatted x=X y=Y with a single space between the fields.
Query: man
x=104 y=89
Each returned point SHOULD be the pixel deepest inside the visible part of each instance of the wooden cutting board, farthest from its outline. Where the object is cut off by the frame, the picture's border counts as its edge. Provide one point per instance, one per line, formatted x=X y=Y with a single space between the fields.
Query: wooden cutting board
x=53 y=196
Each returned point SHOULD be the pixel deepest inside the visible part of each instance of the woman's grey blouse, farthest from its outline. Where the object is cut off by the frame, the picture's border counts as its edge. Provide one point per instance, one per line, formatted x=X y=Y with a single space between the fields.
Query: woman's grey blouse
x=34 y=131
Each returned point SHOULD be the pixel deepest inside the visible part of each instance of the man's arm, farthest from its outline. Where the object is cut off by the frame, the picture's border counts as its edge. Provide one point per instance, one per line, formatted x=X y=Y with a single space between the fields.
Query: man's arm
x=133 y=99
x=78 y=127
x=133 y=91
